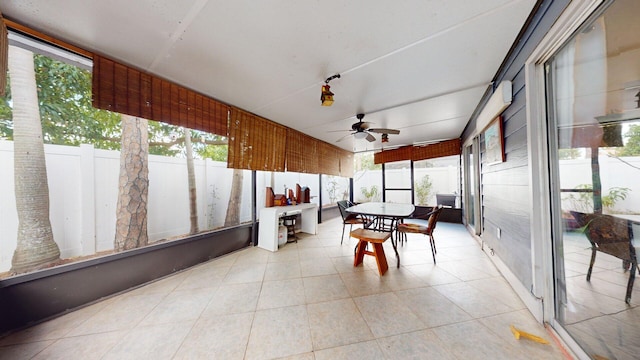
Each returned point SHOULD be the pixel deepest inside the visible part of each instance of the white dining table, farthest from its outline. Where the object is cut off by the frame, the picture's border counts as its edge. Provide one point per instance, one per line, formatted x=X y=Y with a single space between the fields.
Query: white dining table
x=386 y=216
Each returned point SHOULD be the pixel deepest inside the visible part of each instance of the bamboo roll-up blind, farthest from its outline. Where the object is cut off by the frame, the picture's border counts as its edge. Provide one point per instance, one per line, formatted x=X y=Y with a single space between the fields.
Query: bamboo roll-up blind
x=117 y=87
x=329 y=159
x=4 y=55
x=346 y=163
x=441 y=149
x=255 y=143
x=415 y=153
x=302 y=152
x=399 y=154
x=259 y=143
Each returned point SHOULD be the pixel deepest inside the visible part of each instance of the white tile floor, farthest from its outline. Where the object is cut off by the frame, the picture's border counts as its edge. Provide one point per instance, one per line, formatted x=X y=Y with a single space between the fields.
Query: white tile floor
x=306 y=301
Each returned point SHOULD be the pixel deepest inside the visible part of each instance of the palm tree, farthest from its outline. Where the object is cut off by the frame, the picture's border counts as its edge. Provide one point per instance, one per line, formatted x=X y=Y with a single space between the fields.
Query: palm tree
x=35 y=245
x=233 y=209
x=133 y=185
x=193 y=205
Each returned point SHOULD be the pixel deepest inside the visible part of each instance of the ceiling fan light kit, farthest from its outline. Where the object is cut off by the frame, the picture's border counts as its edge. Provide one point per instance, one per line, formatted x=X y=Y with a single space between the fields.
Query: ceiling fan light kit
x=361 y=130
x=326 y=96
x=360 y=135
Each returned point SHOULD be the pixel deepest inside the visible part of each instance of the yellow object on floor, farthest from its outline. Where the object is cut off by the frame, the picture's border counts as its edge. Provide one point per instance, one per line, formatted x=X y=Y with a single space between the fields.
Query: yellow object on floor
x=598 y=357
x=519 y=333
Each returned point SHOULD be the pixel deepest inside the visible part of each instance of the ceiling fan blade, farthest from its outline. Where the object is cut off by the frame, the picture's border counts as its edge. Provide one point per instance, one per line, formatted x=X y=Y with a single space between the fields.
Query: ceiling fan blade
x=370 y=138
x=343 y=137
x=365 y=125
x=385 y=131
x=335 y=131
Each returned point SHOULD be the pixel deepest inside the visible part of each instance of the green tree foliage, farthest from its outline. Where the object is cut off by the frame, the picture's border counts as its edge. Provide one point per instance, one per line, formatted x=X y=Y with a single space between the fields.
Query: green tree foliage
x=209 y=146
x=583 y=201
x=371 y=193
x=6 y=118
x=364 y=161
x=169 y=140
x=632 y=147
x=615 y=194
x=68 y=117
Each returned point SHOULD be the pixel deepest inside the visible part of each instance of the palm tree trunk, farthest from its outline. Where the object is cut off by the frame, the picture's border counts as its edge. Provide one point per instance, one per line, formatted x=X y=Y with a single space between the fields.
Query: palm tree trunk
x=596 y=182
x=193 y=204
x=35 y=246
x=233 y=209
x=133 y=185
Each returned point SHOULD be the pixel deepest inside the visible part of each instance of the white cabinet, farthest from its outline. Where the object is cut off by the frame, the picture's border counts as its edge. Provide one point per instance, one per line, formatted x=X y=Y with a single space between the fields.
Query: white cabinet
x=268 y=233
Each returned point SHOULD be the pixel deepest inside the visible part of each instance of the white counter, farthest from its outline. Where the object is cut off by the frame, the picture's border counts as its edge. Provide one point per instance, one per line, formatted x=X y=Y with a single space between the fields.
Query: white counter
x=268 y=233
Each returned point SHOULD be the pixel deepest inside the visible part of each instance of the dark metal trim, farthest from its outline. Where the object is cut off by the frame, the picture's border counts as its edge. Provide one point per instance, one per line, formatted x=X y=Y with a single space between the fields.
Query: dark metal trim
x=384 y=183
x=351 y=189
x=413 y=184
x=254 y=206
x=31 y=298
x=319 y=198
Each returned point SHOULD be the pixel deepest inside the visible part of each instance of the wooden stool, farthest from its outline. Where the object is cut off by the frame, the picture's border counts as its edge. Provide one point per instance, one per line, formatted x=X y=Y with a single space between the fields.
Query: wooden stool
x=376 y=238
x=290 y=222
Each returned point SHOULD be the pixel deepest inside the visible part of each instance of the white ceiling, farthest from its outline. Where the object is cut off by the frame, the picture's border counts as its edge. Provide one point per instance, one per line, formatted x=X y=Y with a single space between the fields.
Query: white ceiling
x=420 y=66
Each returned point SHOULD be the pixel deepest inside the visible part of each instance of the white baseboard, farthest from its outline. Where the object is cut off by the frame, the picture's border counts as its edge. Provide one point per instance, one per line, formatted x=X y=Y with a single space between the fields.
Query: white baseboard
x=533 y=304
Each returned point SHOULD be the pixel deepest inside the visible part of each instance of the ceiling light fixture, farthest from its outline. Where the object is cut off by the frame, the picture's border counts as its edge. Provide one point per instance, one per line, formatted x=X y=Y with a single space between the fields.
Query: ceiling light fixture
x=360 y=135
x=326 y=97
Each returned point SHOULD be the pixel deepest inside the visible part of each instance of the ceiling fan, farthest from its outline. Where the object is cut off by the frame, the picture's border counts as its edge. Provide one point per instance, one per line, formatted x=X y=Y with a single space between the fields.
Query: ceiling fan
x=361 y=130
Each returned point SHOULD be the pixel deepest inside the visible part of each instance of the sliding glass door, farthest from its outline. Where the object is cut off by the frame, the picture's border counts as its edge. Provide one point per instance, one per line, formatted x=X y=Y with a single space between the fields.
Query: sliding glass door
x=471 y=186
x=593 y=85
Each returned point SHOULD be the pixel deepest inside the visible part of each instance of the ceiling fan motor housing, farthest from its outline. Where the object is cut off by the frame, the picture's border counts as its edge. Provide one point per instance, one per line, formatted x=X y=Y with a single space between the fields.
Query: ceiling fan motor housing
x=359 y=126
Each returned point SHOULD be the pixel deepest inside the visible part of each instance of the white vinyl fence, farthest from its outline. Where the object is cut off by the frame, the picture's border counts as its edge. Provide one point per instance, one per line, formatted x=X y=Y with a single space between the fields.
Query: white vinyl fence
x=444 y=180
x=614 y=172
x=83 y=192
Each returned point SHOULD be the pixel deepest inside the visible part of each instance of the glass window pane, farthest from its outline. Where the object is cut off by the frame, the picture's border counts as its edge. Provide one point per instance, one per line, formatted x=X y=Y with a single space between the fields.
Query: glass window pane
x=470 y=186
x=398 y=196
x=281 y=181
x=334 y=188
x=83 y=149
x=437 y=181
x=367 y=179
x=595 y=132
x=397 y=175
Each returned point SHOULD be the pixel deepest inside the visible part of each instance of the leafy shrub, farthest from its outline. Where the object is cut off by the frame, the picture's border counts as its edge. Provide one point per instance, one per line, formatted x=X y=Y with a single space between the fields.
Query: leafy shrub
x=423 y=190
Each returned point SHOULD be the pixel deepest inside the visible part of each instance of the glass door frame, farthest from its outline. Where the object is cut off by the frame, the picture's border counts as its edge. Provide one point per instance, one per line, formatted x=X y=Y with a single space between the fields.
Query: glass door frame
x=384 y=183
x=471 y=186
x=543 y=177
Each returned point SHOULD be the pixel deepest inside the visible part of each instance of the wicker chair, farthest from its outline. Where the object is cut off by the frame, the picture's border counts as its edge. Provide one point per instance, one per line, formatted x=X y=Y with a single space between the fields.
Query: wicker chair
x=610 y=235
x=428 y=230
